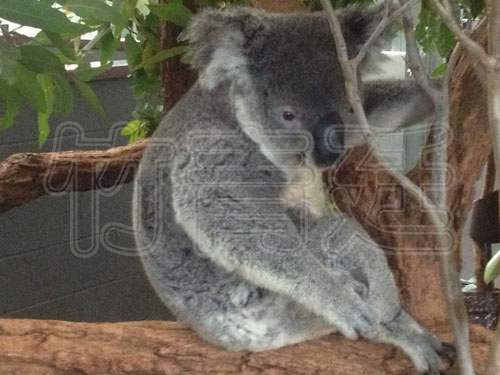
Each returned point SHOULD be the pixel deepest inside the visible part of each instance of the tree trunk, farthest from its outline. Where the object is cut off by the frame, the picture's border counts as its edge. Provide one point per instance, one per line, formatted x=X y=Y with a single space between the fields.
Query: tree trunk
x=176 y=77
x=153 y=348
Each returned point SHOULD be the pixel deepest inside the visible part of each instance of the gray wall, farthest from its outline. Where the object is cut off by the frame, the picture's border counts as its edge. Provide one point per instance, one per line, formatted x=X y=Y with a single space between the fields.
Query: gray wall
x=44 y=270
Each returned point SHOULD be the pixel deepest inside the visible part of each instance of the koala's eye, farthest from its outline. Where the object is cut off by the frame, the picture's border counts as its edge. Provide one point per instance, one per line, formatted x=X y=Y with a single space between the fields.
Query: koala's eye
x=288 y=116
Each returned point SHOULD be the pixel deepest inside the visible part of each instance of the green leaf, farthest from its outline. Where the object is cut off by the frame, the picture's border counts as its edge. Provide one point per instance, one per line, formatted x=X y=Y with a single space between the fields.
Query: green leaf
x=160 y=56
x=30 y=88
x=132 y=127
x=476 y=7
x=118 y=29
x=96 y=11
x=63 y=95
x=11 y=110
x=445 y=40
x=9 y=56
x=43 y=127
x=41 y=15
x=62 y=44
x=145 y=84
x=440 y=70
x=40 y=59
x=108 y=45
x=47 y=85
x=133 y=51
x=86 y=72
x=90 y=97
x=174 y=12
x=492 y=269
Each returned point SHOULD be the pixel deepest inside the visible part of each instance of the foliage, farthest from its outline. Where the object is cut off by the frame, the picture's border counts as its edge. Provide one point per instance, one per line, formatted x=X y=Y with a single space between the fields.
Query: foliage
x=33 y=70
x=492 y=269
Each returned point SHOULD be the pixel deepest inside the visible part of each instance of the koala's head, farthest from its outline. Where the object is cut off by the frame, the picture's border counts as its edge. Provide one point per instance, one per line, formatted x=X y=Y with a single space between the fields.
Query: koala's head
x=284 y=76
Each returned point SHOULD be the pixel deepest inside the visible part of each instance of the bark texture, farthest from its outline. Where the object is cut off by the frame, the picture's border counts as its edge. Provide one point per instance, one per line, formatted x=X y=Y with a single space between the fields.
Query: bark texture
x=25 y=177
x=153 y=348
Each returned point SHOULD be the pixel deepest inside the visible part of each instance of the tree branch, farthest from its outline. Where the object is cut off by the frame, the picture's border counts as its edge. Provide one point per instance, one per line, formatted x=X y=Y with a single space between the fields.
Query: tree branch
x=25 y=177
x=60 y=348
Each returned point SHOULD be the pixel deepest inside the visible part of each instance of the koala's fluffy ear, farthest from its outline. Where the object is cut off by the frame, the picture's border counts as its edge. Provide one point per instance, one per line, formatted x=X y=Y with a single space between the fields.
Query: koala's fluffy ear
x=218 y=42
x=359 y=23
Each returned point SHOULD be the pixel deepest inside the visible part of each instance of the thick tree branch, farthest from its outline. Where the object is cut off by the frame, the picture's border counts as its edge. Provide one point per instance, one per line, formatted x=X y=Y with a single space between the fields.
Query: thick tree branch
x=61 y=348
x=25 y=177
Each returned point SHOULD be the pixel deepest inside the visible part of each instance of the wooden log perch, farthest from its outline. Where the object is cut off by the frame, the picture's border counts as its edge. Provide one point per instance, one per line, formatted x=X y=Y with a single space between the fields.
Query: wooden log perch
x=25 y=177
x=153 y=348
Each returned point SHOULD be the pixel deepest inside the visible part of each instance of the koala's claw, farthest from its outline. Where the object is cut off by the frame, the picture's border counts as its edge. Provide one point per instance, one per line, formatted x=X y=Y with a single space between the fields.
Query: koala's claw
x=430 y=355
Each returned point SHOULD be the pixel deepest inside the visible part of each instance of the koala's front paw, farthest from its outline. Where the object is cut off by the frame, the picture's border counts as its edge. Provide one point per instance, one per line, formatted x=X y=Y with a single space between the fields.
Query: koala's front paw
x=352 y=315
x=429 y=354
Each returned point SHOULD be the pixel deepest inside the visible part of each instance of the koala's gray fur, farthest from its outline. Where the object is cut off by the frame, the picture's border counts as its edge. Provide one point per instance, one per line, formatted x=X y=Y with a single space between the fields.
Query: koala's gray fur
x=229 y=206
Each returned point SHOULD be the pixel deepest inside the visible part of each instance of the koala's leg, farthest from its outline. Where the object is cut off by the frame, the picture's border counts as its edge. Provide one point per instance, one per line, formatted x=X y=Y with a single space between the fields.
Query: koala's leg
x=341 y=243
x=245 y=230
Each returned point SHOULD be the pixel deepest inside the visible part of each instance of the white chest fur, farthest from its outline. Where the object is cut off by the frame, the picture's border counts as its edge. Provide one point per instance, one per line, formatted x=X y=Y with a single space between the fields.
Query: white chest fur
x=306 y=190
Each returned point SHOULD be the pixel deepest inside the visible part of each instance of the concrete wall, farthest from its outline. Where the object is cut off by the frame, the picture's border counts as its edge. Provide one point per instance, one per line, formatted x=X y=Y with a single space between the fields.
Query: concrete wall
x=54 y=262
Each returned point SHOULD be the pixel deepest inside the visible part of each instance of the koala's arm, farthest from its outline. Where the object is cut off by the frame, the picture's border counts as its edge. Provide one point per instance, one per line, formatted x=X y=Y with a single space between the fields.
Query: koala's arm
x=246 y=230
x=393 y=104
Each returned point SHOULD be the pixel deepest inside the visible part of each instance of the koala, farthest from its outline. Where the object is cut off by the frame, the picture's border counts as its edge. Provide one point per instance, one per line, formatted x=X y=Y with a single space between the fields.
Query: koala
x=230 y=212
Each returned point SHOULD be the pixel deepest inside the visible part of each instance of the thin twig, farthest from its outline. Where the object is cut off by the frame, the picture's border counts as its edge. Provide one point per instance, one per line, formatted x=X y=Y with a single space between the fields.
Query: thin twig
x=386 y=20
x=449 y=268
x=415 y=61
x=451 y=281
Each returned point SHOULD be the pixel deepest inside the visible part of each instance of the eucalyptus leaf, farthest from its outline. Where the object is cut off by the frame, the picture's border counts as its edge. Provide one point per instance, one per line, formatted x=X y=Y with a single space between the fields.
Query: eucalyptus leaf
x=40 y=59
x=47 y=86
x=61 y=44
x=476 y=7
x=63 y=95
x=9 y=59
x=133 y=51
x=132 y=127
x=10 y=112
x=86 y=72
x=108 y=45
x=445 y=41
x=174 y=11
x=160 y=56
x=43 y=127
x=30 y=88
x=41 y=15
x=440 y=70
x=492 y=269
x=91 y=98
x=96 y=11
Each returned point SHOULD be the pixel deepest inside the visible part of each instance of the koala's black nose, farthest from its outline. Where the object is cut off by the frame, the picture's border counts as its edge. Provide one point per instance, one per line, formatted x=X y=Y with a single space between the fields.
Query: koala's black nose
x=328 y=135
